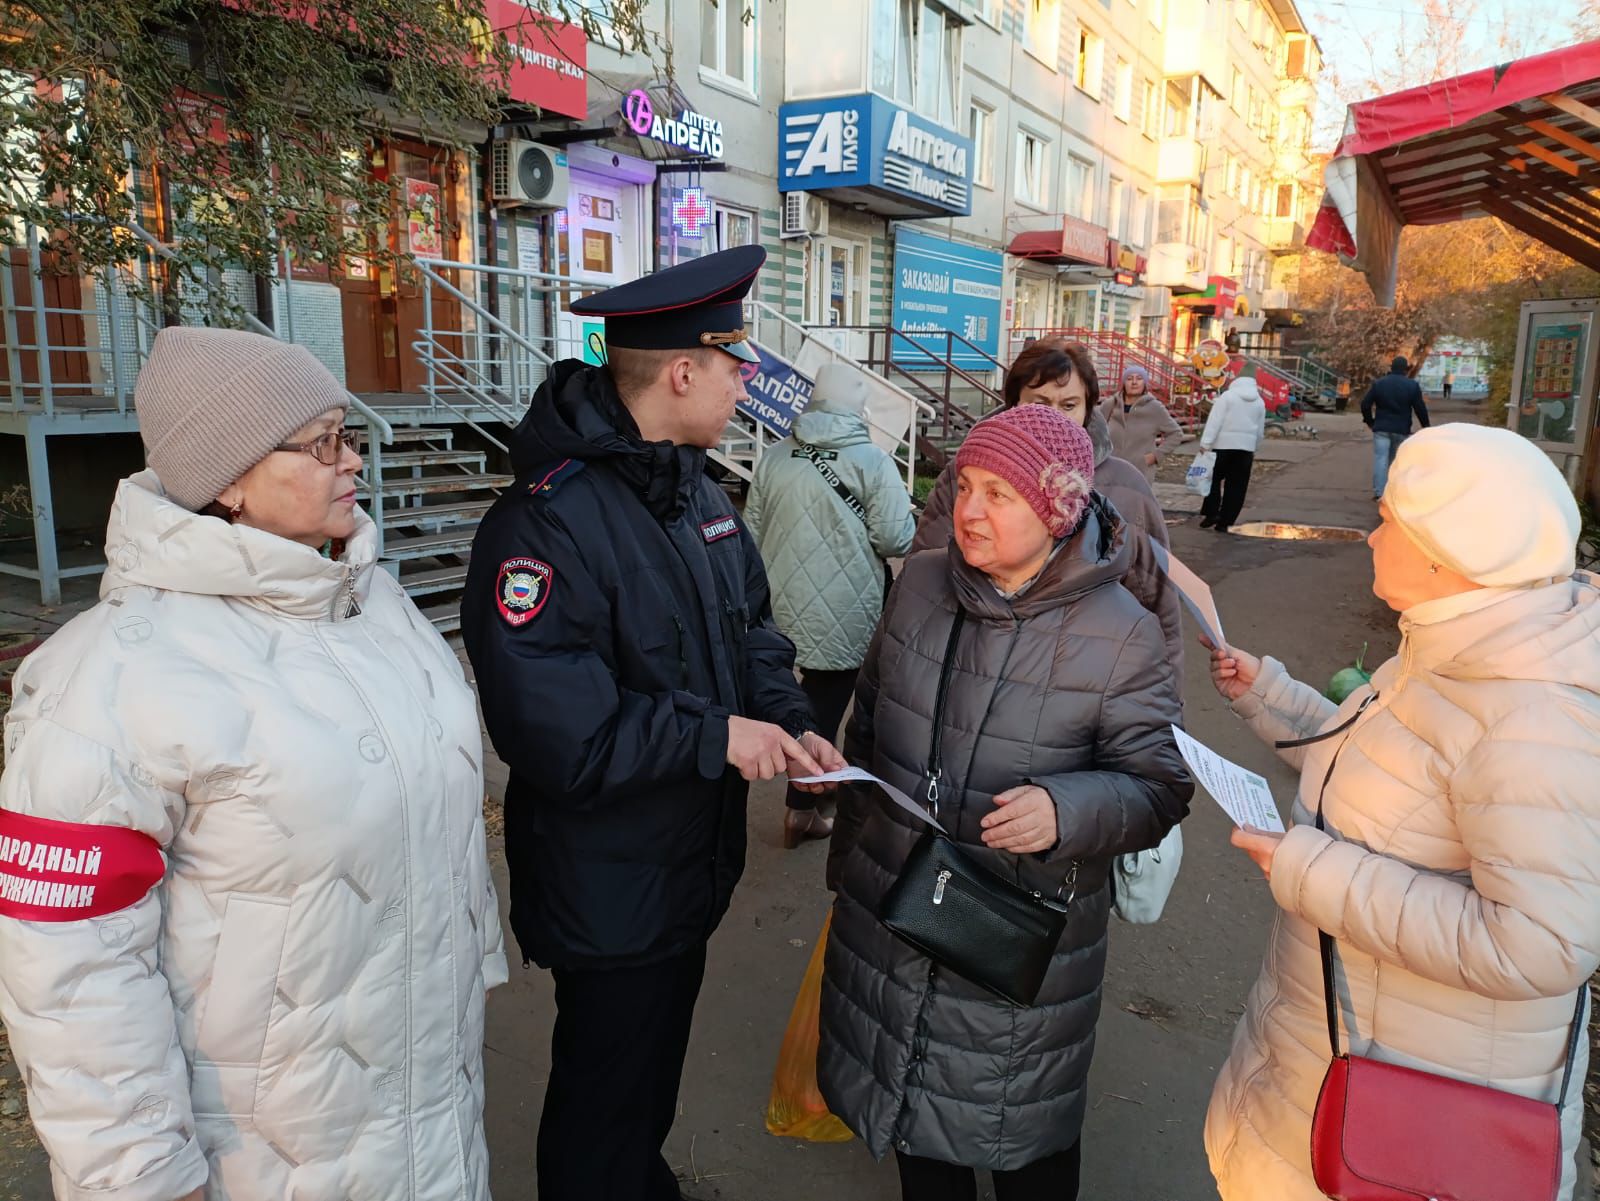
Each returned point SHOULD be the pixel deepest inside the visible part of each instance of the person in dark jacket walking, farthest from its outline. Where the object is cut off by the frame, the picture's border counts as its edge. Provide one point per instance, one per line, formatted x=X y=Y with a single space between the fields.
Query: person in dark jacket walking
x=1057 y=756
x=1387 y=409
x=616 y=614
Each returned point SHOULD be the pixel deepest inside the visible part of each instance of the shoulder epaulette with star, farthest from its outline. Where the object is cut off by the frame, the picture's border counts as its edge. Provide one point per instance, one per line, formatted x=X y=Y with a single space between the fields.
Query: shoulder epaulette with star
x=546 y=480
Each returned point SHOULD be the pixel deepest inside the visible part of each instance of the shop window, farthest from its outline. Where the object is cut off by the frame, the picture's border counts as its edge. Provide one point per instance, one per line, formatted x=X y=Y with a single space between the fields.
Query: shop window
x=916 y=57
x=980 y=128
x=735 y=227
x=1089 y=70
x=1032 y=155
x=1041 y=30
x=728 y=40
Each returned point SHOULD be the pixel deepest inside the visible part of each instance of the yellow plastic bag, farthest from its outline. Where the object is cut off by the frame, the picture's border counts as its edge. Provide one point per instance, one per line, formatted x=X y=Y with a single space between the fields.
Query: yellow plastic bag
x=796 y=1108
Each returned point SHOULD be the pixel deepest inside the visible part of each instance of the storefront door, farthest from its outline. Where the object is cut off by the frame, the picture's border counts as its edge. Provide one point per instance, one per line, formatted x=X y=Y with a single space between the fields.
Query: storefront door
x=836 y=293
x=384 y=312
x=600 y=244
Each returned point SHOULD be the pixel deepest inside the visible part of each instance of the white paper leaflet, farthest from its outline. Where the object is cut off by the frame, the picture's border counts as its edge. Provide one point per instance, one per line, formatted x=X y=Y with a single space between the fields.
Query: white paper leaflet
x=1243 y=795
x=1196 y=593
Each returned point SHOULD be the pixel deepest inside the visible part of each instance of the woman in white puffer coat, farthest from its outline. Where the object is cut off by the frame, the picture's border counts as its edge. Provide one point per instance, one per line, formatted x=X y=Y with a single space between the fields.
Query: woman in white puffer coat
x=1459 y=872
x=246 y=919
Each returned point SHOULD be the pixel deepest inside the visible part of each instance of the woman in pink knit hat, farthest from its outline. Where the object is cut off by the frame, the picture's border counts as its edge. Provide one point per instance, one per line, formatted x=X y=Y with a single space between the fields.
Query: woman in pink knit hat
x=1054 y=756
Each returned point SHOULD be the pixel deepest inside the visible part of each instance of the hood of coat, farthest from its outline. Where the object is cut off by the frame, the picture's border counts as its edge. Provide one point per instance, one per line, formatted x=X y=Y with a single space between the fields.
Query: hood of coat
x=154 y=542
x=1245 y=389
x=1548 y=635
x=1097 y=555
x=1099 y=436
x=577 y=414
x=831 y=430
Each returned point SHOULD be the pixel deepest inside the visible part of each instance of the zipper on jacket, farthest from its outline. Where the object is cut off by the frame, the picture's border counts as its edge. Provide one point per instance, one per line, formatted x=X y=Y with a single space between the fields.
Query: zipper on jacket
x=683 y=655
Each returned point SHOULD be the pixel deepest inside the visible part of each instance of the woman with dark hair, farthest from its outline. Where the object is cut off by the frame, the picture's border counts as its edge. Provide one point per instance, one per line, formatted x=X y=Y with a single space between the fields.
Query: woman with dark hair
x=1061 y=375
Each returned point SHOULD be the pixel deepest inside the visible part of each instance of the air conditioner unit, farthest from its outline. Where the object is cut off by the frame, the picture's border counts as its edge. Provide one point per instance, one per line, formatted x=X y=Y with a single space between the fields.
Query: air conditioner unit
x=526 y=173
x=804 y=215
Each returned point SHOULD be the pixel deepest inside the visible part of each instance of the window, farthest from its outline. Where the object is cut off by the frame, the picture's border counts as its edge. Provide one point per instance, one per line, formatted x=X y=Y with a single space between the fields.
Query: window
x=1241 y=13
x=1041 y=30
x=1140 y=235
x=600 y=11
x=1177 y=123
x=1117 y=210
x=728 y=40
x=916 y=57
x=987 y=11
x=1150 y=113
x=1089 y=70
x=1032 y=155
x=980 y=128
x=1245 y=185
x=1297 y=59
x=1158 y=13
x=1230 y=174
x=735 y=227
x=1285 y=200
x=1078 y=199
x=1124 y=96
x=1239 y=98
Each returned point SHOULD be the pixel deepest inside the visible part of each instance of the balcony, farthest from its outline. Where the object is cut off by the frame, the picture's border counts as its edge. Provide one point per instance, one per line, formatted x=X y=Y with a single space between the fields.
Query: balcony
x=1176 y=265
x=1180 y=160
x=1285 y=235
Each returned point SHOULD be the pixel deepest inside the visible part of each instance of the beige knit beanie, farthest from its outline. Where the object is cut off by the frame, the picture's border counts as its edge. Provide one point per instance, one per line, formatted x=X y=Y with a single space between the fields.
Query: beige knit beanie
x=1486 y=503
x=213 y=403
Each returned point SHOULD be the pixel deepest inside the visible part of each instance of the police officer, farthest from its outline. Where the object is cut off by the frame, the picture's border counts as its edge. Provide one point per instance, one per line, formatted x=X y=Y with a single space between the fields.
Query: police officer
x=617 y=617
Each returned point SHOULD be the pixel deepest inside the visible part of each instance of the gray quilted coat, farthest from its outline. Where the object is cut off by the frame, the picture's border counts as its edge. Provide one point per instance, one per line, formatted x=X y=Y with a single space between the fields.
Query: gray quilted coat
x=1066 y=686
x=824 y=563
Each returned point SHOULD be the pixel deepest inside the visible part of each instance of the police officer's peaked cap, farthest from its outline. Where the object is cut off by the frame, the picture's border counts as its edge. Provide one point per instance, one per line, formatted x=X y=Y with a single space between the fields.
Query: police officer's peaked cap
x=698 y=303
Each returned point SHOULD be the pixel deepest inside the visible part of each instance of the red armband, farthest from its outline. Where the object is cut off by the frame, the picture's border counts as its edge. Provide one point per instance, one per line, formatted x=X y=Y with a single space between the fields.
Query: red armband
x=54 y=871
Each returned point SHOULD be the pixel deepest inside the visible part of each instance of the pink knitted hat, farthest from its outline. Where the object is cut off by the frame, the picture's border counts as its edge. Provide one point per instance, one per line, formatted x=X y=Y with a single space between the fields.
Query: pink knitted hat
x=1042 y=453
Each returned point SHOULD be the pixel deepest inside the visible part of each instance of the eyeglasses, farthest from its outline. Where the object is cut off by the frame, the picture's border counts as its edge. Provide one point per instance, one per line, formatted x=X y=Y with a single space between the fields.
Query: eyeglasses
x=327 y=448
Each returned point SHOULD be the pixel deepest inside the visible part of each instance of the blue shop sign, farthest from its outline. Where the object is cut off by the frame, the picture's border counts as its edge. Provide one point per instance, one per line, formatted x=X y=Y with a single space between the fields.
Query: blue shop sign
x=910 y=165
x=775 y=392
x=941 y=286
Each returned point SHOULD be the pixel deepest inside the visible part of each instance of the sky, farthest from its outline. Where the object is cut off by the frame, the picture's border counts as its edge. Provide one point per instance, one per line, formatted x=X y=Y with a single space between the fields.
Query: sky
x=1370 y=47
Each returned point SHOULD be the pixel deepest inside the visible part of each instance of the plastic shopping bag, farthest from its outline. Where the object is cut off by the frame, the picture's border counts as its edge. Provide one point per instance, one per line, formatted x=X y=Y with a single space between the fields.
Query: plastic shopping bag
x=1198 y=477
x=796 y=1108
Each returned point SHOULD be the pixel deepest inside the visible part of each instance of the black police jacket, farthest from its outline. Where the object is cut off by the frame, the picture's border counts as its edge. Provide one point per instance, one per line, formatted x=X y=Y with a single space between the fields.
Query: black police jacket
x=616 y=612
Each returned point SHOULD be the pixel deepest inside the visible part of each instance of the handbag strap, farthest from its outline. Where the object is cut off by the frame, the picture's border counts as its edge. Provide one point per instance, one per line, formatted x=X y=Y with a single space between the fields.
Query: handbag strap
x=935 y=771
x=825 y=469
x=1325 y=940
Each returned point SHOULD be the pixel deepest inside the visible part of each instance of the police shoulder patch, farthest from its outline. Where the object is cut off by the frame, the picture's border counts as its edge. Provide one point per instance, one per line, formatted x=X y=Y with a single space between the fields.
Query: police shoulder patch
x=722 y=527
x=545 y=480
x=521 y=589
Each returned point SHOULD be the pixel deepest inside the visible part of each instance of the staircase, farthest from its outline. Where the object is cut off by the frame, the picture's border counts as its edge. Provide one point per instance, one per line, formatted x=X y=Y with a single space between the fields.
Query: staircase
x=432 y=498
x=1171 y=377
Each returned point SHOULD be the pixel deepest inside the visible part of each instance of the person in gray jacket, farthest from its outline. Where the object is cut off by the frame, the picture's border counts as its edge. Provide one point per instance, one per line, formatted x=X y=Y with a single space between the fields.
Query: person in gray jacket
x=826 y=509
x=1058 y=756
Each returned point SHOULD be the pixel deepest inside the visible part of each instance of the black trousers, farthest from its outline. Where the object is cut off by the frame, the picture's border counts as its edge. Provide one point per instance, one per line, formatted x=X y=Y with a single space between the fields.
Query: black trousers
x=1229 y=483
x=829 y=693
x=1054 y=1178
x=616 y=1061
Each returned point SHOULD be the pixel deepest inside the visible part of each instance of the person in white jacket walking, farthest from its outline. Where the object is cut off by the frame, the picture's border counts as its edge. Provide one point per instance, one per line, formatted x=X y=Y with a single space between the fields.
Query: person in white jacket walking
x=1234 y=429
x=827 y=509
x=246 y=918
x=1459 y=868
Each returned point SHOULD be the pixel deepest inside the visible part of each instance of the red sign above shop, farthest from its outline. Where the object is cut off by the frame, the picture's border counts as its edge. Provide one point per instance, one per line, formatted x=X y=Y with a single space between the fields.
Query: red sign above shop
x=1073 y=241
x=550 y=59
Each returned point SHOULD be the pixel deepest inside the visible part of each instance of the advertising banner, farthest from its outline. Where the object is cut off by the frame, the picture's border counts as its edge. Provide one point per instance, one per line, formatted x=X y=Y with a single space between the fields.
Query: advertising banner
x=942 y=286
x=777 y=392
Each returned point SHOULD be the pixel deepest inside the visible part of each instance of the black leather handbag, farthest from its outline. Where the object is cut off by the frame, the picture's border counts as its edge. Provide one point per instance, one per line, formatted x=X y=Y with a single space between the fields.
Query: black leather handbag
x=962 y=916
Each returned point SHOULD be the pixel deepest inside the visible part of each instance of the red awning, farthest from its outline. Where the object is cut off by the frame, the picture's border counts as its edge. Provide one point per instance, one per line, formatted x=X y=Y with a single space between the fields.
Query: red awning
x=1520 y=141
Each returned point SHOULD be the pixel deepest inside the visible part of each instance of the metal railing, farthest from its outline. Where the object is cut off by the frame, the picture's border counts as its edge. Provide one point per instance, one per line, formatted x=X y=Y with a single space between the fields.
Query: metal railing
x=87 y=356
x=1176 y=382
x=896 y=418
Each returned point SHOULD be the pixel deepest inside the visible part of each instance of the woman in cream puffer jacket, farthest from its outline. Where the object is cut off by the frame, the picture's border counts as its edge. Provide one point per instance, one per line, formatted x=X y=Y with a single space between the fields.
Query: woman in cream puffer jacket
x=276 y=988
x=1459 y=872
